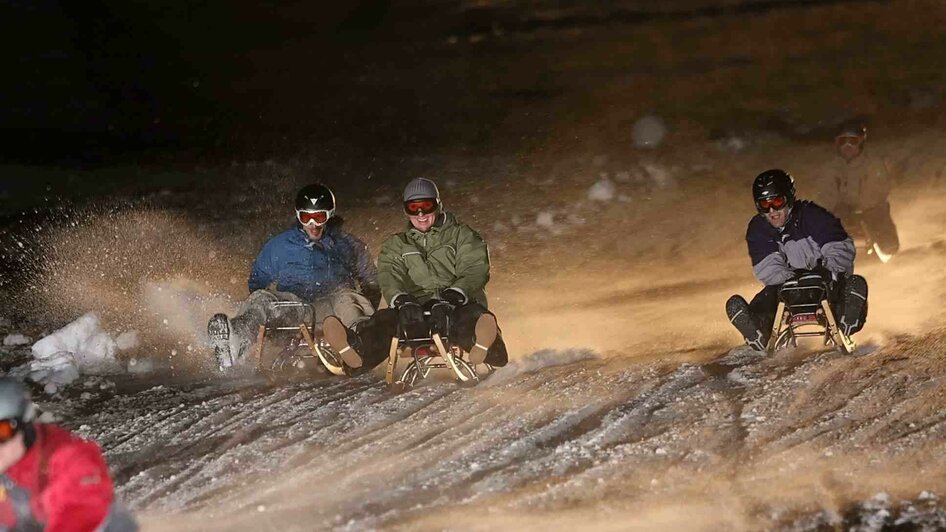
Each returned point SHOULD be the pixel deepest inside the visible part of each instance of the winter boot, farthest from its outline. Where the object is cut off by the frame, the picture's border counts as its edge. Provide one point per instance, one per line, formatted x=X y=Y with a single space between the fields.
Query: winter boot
x=336 y=334
x=484 y=335
x=218 y=330
x=854 y=309
x=738 y=311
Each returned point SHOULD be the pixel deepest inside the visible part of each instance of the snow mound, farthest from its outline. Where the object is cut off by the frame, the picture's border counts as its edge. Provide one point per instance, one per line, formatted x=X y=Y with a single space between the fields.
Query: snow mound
x=648 y=131
x=540 y=359
x=603 y=190
x=81 y=347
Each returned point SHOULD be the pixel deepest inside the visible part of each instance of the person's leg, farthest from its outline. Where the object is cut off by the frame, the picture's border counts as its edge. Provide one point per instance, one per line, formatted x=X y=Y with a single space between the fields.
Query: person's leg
x=882 y=229
x=763 y=307
x=230 y=338
x=754 y=320
x=349 y=307
x=851 y=307
x=475 y=330
x=365 y=346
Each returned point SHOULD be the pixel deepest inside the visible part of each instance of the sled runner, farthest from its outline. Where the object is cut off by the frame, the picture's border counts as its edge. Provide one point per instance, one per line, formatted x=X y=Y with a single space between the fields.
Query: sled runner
x=805 y=312
x=285 y=349
x=428 y=351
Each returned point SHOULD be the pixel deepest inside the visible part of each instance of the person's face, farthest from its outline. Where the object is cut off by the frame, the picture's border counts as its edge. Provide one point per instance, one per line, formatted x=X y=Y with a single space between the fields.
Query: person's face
x=313 y=222
x=422 y=213
x=849 y=146
x=423 y=222
x=11 y=451
x=777 y=217
x=314 y=232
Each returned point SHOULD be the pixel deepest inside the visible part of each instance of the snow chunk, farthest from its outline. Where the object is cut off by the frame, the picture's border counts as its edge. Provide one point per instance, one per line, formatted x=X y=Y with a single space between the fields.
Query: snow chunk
x=93 y=349
x=648 y=131
x=14 y=340
x=545 y=220
x=540 y=359
x=58 y=359
x=603 y=190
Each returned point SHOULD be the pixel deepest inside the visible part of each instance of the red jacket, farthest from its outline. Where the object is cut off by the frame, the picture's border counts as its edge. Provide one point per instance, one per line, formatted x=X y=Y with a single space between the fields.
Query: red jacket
x=67 y=479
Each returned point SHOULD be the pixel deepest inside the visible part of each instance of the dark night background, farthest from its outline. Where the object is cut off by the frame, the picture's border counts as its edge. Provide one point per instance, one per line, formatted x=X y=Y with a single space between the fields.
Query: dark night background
x=149 y=148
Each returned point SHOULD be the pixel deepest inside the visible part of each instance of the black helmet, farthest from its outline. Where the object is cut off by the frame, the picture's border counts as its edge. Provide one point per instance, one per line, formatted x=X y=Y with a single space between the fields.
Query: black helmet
x=316 y=197
x=771 y=184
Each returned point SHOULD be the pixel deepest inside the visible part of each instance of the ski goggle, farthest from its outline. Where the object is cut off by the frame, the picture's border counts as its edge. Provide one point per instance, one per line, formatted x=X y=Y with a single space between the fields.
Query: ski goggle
x=848 y=139
x=420 y=206
x=767 y=204
x=8 y=429
x=313 y=217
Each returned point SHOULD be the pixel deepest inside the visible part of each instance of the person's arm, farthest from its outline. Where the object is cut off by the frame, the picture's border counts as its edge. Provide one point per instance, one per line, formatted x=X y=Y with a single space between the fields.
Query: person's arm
x=828 y=235
x=262 y=273
x=472 y=267
x=769 y=264
x=392 y=271
x=78 y=490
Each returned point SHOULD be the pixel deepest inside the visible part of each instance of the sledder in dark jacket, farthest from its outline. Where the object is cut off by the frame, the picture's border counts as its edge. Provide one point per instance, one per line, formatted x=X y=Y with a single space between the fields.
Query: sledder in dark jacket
x=789 y=236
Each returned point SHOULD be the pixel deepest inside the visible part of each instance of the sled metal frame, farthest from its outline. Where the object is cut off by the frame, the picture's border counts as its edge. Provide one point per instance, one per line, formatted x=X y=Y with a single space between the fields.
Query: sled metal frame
x=807 y=320
x=308 y=337
x=427 y=353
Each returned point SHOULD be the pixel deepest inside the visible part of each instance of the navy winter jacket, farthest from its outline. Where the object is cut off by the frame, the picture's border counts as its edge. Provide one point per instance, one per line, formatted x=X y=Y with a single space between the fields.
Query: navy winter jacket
x=312 y=270
x=811 y=234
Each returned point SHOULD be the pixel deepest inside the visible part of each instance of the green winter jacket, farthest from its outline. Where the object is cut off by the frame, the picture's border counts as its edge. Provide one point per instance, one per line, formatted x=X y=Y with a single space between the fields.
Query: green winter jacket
x=449 y=255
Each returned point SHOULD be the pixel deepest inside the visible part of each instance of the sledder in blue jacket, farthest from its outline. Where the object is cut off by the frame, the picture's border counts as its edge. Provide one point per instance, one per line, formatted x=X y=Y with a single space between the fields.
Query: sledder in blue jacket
x=315 y=262
x=313 y=269
x=787 y=237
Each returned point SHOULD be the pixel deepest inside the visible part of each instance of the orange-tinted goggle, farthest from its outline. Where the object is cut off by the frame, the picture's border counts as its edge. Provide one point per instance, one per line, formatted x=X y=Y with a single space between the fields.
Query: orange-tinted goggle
x=8 y=429
x=313 y=217
x=767 y=204
x=420 y=206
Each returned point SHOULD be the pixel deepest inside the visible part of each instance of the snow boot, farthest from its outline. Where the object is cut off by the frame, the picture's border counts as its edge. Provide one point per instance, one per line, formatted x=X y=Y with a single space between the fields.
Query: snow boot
x=336 y=334
x=854 y=309
x=738 y=311
x=218 y=330
x=484 y=335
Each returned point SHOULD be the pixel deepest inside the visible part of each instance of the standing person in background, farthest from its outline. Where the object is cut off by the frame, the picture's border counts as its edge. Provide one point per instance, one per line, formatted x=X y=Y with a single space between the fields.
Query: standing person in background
x=859 y=190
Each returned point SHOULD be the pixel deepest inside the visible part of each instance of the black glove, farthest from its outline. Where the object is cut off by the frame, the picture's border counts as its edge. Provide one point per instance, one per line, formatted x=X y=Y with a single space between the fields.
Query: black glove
x=440 y=313
x=410 y=315
x=454 y=296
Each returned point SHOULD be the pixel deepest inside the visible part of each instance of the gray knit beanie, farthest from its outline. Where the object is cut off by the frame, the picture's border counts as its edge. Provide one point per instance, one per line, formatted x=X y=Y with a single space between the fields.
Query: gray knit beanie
x=421 y=188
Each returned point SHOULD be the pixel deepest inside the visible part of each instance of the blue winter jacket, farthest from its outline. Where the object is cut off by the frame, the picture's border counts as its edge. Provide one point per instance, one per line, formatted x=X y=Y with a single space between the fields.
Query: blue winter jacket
x=811 y=234
x=312 y=270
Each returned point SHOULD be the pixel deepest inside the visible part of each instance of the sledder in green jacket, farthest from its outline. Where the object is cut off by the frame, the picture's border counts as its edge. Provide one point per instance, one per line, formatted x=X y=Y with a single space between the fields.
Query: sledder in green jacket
x=449 y=255
x=437 y=264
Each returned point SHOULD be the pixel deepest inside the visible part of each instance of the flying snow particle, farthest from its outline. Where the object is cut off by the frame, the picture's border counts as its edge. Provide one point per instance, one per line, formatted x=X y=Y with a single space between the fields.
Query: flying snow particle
x=545 y=219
